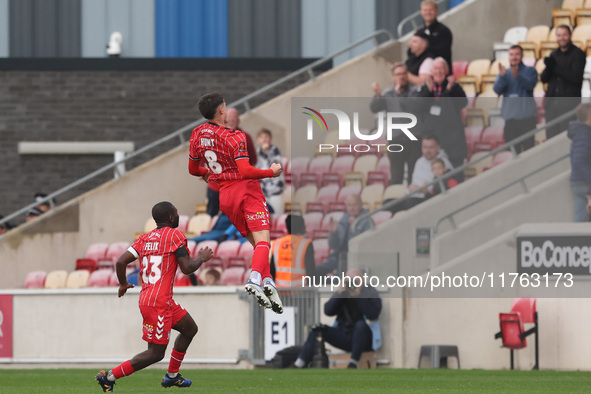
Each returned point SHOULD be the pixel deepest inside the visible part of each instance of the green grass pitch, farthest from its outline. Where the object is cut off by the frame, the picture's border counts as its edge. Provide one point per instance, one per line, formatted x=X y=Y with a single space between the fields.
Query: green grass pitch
x=304 y=381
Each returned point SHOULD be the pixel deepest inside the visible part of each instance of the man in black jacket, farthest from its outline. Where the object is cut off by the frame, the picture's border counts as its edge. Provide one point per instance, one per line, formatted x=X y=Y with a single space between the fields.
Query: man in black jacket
x=440 y=37
x=564 y=75
x=352 y=305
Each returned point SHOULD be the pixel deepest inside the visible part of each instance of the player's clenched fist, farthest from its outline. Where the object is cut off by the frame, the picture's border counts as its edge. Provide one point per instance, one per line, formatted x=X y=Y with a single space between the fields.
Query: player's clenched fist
x=205 y=254
x=277 y=169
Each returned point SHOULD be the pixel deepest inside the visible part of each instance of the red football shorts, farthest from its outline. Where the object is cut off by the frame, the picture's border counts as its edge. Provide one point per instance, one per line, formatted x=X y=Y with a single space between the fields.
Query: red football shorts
x=245 y=205
x=158 y=322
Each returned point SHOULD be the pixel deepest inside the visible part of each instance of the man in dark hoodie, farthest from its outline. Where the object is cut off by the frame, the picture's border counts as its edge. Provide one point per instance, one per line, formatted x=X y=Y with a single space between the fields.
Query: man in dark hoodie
x=579 y=131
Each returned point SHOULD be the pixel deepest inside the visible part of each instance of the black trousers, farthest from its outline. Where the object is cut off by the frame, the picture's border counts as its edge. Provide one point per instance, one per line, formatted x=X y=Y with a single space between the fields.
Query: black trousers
x=409 y=155
x=357 y=339
x=555 y=107
x=515 y=128
x=213 y=202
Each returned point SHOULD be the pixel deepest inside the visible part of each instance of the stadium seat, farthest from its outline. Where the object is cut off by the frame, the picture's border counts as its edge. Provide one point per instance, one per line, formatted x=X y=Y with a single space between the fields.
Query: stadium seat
x=238 y=261
x=381 y=217
x=563 y=16
x=309 y=179
x=246 y=250
x=35 y=279
x=583 y=17
x=394 y=191
x=302 y=196
x=287 y=197
x=546 y=48
x=332 y=216
x=513 y=36
x=183 y=223
x=56 y=279
x=492 y=137
x=364 y=164
x=326 y=195
x=279 y=223
x=298 y=166
x=513 y=334
x=476 y=69
x=581 y=34
x=485 y=105
x=313 y=222
x=319 y=165
x=502 y=157
x=473 y=134
x=459 y=68
x=97 y=250
x=102 y=278
x=478 y=168
x=377 y=177
x=77 y=279
x=348 y=191
x=321 y=250
x=86 y=264
x=535 y=35
x=227 y=249
x=105 y=263
x=116 y=249
x=372 y=195
x=342 y=165
x=587 y=4
x=191 y=245
x=572 y=5
x=212 y=244
x=199 y=224
x=233 y=276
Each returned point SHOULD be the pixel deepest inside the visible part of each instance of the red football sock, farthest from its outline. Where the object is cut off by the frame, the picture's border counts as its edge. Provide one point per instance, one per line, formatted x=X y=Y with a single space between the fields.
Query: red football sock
x=122 y=370
x=260 y=259
x=176 y=358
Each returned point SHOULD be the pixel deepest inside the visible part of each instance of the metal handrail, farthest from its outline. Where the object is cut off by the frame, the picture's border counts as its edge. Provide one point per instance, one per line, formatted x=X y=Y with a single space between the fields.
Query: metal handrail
x=412 y=19
x=509 y=145
x=309 y=69
x=450 y=215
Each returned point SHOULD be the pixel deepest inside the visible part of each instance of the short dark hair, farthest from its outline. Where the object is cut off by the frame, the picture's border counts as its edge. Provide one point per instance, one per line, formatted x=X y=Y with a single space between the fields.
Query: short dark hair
x=517 y=47
x=295 y=224
x=567 y=27
x=438 y=161
x=208 y=104
x=266 y=132
x=162 y=211
x=583 y=111
x=432 y=137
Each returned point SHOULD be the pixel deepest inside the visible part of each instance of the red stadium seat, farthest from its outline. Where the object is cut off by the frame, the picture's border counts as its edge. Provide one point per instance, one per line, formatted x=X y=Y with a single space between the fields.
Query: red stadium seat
x=116 y=249
x=238 y=261
x=473 y=134
x=374 y=177
x=280 y=224
x=313 y=222
x=191 y=245
x=315 y=207
x=459 y=67
x=320 y=165
x=492 y=137
x=342 y=165
x=113 y=280
x=233 y=276
x=212 y=244
x=321 y=250
x=183 y=223
x=97 y=251
x=326 y=195
x=246 y=250
x=228 y=249
x=35 y=280
x=502 y=157
x=331 y=178
x=102 y=278
x=298 y=166
x=381 y=217
x=86 y=264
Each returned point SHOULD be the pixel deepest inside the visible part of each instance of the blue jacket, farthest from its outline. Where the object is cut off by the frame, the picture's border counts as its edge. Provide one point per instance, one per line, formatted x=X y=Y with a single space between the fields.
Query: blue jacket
x=518 y=93
x=580 y=152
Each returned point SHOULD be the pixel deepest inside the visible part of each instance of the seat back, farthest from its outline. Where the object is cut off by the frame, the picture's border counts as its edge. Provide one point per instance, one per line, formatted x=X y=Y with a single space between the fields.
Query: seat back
x=246 y=250
x=327 y=194
x=459 y=67
x=228 y=248
x=233 y=276
x=97 y=250
x=150 y=225
x=116 y=249
x=572 y=4
x=86 y=264
x=102 y=278
x=199 y=224
x=582 y=33
x=35 y=279
x=56 y=279
x=347 y=191
x=511 y=329
x=77 y=279
x=303 y=196
x=212 y=244
x=372 y=195
x=183 y=223
x=394 y=191
x=515 y=34
x=526 y=307
x=321 y=250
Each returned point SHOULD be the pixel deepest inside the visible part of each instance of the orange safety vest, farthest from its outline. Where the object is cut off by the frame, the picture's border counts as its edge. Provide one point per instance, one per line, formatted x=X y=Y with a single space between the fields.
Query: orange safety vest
x=290 y=267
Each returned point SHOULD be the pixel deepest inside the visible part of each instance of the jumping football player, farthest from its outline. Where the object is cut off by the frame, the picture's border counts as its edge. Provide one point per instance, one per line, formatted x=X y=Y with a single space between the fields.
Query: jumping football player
x=160 y=252
x=224 y=152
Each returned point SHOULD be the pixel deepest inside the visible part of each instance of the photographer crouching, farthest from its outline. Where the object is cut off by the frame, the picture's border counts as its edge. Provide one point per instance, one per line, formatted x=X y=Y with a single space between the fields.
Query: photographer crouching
x=353 y=307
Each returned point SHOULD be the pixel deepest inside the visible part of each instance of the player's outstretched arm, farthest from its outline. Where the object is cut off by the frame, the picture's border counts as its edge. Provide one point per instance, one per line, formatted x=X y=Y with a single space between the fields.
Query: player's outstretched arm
x=125 y=259
x=189 y=266
x=196 y=169
x=249 y=172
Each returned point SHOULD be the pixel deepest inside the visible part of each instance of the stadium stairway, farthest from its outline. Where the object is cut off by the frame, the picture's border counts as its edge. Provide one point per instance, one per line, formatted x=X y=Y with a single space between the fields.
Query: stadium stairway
x=396 y=235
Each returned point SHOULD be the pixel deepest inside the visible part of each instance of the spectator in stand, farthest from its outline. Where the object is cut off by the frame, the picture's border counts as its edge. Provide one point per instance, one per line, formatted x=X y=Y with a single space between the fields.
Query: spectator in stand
x=341 y=233
x=440 y=37
x=292 y=256
x=420 y=60
x=519 y=109
x=579 y=132
x=356 y=329
x=443 y=116
x=44 y=206
x=33 y=214
x=221 y=231
x=212 y=277
x=267 y=155
x=564 y=75
x=393 y=100
x=4 y=227
x=213 y=188
x=439 y=169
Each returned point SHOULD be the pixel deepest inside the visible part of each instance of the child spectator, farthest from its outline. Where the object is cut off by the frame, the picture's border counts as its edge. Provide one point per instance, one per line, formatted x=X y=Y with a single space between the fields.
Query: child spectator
x=439 y=169
x=268 y=154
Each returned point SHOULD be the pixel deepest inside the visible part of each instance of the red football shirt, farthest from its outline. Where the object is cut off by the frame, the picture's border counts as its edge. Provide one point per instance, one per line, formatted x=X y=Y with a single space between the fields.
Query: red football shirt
x=158 y=264
x=220 y=147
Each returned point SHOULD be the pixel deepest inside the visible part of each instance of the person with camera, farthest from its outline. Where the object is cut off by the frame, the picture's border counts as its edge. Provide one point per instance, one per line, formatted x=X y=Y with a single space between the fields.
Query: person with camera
x=356 y=329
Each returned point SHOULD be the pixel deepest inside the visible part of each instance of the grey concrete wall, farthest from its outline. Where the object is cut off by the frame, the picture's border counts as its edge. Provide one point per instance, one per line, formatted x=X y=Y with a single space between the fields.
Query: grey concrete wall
x=4 y=28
